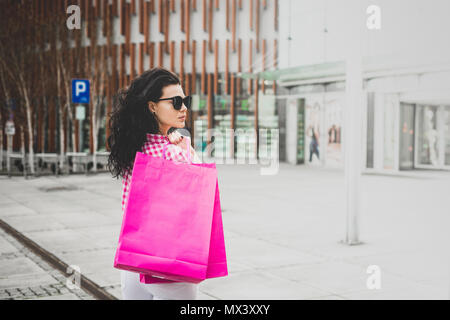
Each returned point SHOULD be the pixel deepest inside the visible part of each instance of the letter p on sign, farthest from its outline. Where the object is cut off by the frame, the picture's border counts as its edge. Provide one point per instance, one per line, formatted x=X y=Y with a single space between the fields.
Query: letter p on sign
x=80 y=87
x=80 y=91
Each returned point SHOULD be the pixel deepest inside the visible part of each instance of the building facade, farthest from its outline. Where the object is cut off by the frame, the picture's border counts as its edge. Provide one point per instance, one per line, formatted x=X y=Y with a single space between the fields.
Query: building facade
x=207 y=43
x=405 y=120
x=252 y=65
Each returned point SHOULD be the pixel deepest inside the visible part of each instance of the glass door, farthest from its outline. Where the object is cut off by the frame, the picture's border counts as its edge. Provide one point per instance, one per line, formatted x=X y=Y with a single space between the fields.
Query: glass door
x=406 y=136
x=427 y=137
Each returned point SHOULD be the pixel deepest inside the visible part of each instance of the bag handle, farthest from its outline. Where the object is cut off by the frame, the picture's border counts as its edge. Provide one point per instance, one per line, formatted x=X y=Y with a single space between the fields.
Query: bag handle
x=188 y=149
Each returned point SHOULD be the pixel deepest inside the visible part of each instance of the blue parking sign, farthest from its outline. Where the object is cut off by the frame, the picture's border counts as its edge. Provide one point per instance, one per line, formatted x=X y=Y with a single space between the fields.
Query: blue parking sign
x=80 y=91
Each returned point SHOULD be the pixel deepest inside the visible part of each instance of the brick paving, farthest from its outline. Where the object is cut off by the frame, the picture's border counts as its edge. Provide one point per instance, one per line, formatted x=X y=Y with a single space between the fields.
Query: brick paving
x=24 y=275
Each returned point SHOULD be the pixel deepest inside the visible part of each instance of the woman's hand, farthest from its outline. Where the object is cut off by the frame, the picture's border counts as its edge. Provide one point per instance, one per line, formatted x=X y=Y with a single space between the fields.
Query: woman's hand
x=175 y=137
x=181 y=141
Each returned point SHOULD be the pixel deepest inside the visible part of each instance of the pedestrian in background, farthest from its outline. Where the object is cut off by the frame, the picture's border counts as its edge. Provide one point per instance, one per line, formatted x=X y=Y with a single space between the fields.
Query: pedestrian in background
x=144 y=118
x=313 y=146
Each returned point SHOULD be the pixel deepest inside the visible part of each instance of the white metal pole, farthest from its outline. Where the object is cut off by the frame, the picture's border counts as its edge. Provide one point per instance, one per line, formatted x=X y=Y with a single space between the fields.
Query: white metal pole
x=352 y=130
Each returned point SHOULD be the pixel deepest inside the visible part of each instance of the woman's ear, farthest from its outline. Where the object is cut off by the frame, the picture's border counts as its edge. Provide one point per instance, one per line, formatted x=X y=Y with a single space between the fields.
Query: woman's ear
x=151 y=107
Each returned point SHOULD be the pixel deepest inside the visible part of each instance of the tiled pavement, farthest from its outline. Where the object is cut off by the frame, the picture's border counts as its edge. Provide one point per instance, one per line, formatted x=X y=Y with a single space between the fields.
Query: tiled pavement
x=282 y=232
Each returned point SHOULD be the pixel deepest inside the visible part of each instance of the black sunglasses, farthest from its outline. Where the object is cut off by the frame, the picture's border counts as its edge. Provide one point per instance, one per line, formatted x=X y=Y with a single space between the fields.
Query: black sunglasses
x=178 y=101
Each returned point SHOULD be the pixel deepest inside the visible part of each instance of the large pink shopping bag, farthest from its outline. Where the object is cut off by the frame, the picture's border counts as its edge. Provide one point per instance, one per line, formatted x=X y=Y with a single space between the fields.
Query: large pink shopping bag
x=217 y=265
x=167 y=227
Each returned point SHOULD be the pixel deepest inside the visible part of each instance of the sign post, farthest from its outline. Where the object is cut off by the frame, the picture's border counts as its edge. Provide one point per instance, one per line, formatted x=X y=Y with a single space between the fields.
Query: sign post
x=80 y=95
x=80 y=116
x=10 y=131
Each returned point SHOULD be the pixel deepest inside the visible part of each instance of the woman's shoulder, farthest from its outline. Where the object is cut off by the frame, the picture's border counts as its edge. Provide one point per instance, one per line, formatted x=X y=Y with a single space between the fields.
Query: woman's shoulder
x=152 y=148
x=156 y=149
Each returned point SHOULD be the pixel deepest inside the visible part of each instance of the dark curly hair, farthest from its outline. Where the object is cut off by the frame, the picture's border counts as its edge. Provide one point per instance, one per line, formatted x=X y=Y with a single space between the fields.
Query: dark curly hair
x=131 y=119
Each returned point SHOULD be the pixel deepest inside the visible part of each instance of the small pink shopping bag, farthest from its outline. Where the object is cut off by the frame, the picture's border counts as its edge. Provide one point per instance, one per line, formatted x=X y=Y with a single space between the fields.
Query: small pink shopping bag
x=172 y=225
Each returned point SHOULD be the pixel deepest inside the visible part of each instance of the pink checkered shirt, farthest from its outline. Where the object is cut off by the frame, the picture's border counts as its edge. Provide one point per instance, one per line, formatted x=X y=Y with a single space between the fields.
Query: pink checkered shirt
x=154 y=147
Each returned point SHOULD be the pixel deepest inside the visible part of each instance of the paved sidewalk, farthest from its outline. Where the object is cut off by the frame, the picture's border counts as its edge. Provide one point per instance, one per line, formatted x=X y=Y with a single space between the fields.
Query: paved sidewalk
x=282 y=232
x=25 y=276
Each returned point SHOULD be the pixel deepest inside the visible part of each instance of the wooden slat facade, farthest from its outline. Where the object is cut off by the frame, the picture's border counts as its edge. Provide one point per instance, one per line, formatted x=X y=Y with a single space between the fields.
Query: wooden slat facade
x=210 y=26
x=251 y=15
x=227 y=15
x=141 y=58
x=275 y=62
x=166 y=27
x=227 y=62
x=258 y=4
x=224 y=60
x=160 y=16
x=160 y=54
x=146 y=25
x=141 y=16
x=203 y=79
x=151 y=55
x=172 y=55
x=132 y=61
x=204 y=16
x=210 y=109
x=133 y=7
x=115 y=8
x=275 y=15
x=264 y=55
x=122 y=16
x=127 y=27
x=182 y=16
x=233 y=25
x=187 y=27
x=216 y=67
x=238 y=82
x=181 y=71
x=194 y=67
x=250 y=64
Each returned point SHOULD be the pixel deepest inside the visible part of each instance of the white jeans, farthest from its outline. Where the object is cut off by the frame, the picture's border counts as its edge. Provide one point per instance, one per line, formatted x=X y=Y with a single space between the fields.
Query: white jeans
x=133 y=289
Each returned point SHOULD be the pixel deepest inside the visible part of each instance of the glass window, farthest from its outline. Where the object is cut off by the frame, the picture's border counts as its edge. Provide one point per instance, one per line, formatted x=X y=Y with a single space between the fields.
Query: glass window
x=427 y=135
x=389 y=134
x=200 y=122
x=333 y=126
x=447 y=134
x=222 y=126
x=370 y=130
x=245 y=135
x=267 y=120
x=406 y=134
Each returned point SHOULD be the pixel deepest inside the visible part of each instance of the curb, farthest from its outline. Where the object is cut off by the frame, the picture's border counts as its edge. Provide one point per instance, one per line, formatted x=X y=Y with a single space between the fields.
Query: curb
x=86 y=283
x=431 y=174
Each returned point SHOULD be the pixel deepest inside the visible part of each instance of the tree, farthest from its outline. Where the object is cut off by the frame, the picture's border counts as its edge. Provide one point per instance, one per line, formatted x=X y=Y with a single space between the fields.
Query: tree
x=18 y=57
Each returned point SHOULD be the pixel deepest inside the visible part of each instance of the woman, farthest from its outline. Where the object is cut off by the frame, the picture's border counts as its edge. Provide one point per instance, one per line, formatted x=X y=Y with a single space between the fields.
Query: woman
x=143 y=118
